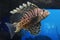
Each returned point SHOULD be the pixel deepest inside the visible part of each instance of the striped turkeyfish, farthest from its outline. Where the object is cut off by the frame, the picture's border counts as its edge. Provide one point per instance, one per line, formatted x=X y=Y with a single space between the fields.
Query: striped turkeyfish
x=27 y=16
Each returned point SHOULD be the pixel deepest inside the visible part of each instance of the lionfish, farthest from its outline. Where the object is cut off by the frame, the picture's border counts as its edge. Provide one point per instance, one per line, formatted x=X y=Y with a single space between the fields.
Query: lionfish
x=27 y=16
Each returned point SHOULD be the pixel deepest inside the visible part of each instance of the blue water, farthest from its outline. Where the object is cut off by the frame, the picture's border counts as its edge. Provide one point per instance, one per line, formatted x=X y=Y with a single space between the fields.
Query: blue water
x=50 y=26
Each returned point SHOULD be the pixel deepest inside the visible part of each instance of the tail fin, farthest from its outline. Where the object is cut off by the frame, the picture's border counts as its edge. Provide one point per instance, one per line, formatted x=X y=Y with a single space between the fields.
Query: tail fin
x=11 y=29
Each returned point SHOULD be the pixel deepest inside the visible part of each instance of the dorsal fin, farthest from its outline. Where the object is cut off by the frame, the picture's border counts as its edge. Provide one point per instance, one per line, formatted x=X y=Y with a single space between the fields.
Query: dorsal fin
x=22 y=7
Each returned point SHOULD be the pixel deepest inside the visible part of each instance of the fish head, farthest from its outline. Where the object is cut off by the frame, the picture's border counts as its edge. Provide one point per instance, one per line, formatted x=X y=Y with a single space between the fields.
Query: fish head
x=42 y=14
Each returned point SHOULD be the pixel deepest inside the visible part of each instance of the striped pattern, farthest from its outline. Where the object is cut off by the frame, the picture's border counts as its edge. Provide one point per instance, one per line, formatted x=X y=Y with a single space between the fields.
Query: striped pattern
x=29 y=18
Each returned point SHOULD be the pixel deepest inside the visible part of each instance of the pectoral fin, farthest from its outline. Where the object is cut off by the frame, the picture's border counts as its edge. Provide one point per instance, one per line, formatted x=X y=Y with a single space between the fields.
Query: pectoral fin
x=35 y=29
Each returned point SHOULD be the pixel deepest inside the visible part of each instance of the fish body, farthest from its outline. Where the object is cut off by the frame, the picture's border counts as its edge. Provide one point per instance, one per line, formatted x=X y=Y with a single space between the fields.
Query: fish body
x=28 y=18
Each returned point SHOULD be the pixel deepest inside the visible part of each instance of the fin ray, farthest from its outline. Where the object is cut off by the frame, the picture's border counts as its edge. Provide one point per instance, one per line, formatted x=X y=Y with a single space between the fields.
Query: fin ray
x=35 y=29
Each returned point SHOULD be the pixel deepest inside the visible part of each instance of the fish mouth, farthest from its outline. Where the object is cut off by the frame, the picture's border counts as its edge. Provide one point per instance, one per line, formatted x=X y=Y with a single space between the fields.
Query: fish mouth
x=45 y=13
